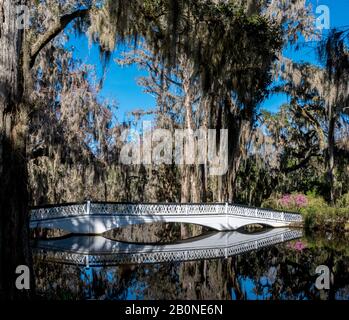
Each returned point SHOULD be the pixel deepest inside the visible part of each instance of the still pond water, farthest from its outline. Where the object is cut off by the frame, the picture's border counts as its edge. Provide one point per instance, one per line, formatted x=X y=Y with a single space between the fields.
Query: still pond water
x=264 y=265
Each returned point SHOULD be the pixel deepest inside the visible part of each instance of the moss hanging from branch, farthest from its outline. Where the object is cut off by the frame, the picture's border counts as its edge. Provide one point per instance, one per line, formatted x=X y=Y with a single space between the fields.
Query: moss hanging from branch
x=231 y=50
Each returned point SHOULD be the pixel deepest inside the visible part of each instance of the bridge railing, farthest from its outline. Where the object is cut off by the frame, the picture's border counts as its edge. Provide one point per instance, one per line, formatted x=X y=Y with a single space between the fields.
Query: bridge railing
x=52 y=212
x=127 y=209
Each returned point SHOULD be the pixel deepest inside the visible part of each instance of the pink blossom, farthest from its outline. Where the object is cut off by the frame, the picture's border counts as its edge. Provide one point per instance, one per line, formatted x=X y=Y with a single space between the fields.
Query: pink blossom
x=301 y=200
x=291 y=201
x=298 y=245
x=286 y=200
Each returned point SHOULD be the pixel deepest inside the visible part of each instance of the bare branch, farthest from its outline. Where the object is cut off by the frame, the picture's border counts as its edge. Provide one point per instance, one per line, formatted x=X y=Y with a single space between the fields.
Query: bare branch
x=53 y=31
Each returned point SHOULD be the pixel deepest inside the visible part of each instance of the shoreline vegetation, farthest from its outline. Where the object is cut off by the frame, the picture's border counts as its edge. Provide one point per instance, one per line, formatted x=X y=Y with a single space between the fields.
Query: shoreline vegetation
x=318 y=215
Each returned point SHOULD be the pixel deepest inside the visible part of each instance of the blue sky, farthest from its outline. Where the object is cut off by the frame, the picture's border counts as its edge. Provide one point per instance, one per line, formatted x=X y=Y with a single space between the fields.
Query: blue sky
x=339 y=18
x=120 y=83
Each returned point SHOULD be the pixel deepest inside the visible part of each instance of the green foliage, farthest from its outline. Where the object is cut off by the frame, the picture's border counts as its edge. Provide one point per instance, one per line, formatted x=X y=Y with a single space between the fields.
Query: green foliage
x=321 y=216
x=344 y=201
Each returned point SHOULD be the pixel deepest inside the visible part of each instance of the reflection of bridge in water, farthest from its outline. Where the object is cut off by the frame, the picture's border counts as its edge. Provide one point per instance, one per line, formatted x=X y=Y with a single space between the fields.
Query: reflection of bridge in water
x=96 y=218
x=99 y=251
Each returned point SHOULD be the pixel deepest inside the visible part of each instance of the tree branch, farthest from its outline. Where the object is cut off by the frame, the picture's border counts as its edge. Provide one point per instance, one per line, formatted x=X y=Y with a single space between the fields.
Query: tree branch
x=53 y=31
x=301 y=164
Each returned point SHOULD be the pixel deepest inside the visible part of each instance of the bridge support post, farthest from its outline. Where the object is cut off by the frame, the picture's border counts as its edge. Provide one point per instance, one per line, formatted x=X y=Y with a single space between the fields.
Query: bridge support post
x=88 y=212
x=87 y=261
x=88 y=207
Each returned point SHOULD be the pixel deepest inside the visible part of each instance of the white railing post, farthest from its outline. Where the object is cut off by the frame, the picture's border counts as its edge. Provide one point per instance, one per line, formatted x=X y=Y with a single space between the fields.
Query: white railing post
x=226 y=245
x=256 y=213
x=282 y=216
x=88 y=212
x=186 y=209
x=88 y=208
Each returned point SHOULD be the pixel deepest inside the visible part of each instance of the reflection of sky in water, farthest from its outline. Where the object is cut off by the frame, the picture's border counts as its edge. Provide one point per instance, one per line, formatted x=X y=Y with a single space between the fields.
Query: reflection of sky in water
x=342 y=294
x=134 y=292
x=261 y=290
x=251 y=291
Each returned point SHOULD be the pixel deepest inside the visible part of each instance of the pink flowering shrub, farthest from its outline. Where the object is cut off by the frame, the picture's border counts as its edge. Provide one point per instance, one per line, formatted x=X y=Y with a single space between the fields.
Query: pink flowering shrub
x=293 y=201
x=317 y=213
x=286 y=200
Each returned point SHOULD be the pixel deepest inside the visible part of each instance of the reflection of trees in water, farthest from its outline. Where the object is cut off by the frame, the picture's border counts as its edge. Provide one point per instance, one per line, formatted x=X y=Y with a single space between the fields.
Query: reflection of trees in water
x=187 y=280
x=280 y=272
x=108 y=283
x=147 y=233
x=155 y=233
x=58 y=282
x=190 y=280
x=205 y=279
x=295 y=272
x=68 y=282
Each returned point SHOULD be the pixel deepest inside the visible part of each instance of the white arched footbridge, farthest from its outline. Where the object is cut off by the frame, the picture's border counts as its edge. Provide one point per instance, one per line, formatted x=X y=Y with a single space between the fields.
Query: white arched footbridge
x=97 y=218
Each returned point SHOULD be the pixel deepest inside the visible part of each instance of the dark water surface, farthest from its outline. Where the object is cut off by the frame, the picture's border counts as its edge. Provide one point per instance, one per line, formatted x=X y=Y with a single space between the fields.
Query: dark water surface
x=238 y=266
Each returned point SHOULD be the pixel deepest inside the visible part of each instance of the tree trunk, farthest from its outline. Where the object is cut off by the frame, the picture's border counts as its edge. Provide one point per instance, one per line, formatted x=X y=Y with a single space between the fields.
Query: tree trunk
x=231 y=118
x=14 y=240
x=330 y=168
x=186 y=172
